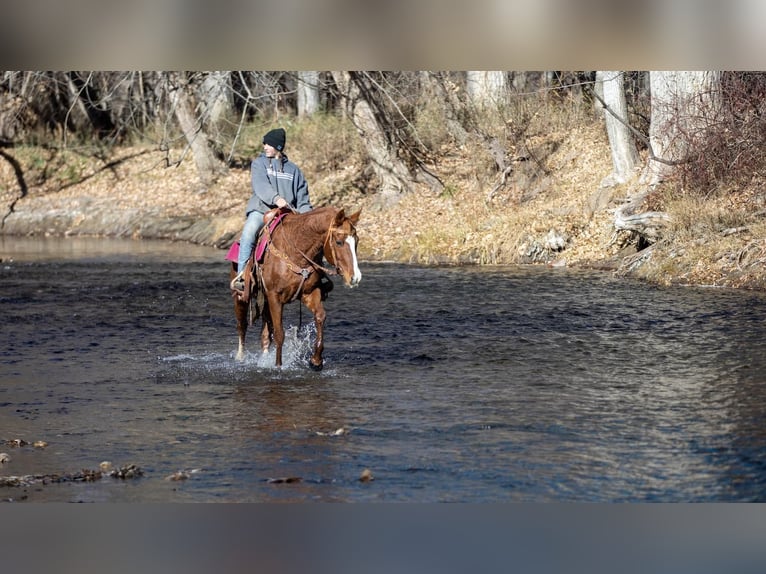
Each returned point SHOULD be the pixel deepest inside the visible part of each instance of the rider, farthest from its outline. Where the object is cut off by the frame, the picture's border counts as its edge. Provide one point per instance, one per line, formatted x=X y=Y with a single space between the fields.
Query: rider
x=276 y=182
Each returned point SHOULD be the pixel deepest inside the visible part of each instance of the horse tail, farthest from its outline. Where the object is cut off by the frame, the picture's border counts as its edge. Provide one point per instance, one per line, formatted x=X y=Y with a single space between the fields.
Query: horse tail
x=260 y=296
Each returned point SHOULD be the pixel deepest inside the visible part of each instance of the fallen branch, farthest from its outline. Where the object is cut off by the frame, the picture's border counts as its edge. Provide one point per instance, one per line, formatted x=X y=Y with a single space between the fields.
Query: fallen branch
x=648 y=224
x=501 y=184
x=754 y=253
x=733 y=230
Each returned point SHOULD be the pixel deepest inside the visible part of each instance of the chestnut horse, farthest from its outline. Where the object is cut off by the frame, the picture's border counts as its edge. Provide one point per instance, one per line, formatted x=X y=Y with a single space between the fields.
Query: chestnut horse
x=291 y=268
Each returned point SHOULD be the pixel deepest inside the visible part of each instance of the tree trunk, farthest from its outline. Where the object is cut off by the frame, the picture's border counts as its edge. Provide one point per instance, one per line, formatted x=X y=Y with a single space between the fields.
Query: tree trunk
x=308 y=93
x=215 y=99
x=486 y=89
x=183 y=104
x=624 y=153
x=682 y=105
x=442 y=92
x=520 y=81
x=77 y=114
x=395 y=178
x=681 y=102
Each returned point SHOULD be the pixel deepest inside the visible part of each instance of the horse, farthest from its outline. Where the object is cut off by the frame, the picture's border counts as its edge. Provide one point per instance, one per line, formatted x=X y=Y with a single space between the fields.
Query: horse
x=291 y=268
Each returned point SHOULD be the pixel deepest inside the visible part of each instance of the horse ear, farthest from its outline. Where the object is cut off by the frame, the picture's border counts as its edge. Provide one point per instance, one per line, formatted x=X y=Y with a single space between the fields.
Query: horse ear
x=355 y=217
x=339 y=217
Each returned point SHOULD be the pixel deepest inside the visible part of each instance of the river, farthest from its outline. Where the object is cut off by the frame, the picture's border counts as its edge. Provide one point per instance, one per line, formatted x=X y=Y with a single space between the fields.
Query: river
x=463 y=384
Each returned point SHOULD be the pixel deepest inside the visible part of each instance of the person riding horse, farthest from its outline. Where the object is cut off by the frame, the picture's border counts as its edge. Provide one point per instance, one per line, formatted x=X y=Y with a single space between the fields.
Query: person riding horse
x=292 y=268
x=276 y=183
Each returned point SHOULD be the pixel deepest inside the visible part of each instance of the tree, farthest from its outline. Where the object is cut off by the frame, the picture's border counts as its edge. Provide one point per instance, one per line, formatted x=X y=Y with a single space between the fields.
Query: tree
x=356 y=95
x=184 y=107
x=486 y=88
x=624 y=153
x=215 y=100
x=682 y=106
x=308 y=93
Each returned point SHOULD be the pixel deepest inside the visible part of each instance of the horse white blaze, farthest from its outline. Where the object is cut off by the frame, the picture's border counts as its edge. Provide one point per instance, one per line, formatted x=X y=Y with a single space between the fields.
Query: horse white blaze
x=357 y=277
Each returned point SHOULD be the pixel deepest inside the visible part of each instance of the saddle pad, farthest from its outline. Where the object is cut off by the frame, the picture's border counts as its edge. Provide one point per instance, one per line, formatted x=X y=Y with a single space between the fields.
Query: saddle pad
x=264 y=243
x=233 y=254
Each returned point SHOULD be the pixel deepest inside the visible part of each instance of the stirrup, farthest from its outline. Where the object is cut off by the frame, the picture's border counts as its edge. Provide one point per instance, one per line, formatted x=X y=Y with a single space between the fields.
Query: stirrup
x=238 y=283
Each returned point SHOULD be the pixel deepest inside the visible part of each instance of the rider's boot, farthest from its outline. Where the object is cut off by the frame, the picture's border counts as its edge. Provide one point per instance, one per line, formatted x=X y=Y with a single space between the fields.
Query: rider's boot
x=238 y=283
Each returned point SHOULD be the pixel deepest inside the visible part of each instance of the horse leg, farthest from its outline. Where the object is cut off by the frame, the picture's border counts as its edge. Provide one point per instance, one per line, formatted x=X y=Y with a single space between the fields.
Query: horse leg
x=240 y=310
x=241 y=313
x=277 y=329
x=267 y=328
x=313 y=301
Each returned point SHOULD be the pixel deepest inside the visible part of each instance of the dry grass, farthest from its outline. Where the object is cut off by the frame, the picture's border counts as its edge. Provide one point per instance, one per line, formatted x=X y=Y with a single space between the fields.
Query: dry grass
x=551 y=191
x=718 y=241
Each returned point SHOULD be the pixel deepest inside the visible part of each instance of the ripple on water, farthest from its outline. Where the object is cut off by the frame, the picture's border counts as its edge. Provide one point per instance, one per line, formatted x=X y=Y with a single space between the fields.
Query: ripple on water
x=459 y=384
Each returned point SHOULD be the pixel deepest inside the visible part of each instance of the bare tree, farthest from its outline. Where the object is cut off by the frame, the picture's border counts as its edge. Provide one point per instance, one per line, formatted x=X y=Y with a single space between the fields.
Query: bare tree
x=215 y=100
x=624 y=153
x=308 y=93
x=185 y=109
x=682 y=106
x=441 y=89
x=393 y=173
x=486 y=88
x=15 y=93
x=682 y=103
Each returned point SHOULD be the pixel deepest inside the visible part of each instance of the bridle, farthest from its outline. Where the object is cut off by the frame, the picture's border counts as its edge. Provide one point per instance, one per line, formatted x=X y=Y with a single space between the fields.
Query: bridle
x=333 y=258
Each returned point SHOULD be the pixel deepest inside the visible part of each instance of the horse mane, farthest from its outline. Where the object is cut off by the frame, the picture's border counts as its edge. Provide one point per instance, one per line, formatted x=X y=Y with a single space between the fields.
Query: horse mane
x=319 y=218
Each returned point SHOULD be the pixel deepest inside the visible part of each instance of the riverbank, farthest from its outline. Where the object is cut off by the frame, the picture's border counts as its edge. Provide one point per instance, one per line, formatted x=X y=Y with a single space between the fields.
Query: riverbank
x=551 y=210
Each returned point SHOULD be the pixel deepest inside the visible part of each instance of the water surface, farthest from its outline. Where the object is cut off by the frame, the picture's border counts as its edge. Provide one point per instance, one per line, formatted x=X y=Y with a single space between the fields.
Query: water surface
x=492 y=384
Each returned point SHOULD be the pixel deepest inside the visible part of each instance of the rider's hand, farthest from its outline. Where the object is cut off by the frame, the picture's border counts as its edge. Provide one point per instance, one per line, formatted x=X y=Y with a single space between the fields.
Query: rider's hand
x=281 y=202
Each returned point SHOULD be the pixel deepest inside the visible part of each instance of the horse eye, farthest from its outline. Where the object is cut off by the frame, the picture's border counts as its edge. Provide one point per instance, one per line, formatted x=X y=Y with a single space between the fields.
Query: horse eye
x=339 y=242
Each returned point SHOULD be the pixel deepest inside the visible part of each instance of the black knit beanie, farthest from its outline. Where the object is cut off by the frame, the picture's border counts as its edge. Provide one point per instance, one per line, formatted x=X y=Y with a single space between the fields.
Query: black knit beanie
x=275 y=138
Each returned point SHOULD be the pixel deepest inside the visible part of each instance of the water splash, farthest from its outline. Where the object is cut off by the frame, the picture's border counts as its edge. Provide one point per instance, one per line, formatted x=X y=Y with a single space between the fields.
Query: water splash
x=296 y=351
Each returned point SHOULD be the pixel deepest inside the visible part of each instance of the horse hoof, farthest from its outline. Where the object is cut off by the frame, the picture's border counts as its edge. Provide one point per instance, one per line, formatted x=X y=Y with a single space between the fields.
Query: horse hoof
x=315 y=367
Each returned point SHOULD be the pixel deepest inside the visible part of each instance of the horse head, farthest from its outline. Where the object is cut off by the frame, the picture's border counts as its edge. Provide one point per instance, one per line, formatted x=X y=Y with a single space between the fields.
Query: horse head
x=340 y=247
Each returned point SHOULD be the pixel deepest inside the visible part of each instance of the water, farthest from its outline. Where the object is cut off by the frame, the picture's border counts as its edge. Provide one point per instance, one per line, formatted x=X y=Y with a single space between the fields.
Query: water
x=447 y=384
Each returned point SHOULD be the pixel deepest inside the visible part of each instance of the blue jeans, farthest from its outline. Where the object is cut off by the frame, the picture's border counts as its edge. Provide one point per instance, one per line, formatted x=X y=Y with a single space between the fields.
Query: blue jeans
x=253 y=225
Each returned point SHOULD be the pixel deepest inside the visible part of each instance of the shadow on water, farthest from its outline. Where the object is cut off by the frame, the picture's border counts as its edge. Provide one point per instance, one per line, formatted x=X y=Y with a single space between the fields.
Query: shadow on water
x=448 y=384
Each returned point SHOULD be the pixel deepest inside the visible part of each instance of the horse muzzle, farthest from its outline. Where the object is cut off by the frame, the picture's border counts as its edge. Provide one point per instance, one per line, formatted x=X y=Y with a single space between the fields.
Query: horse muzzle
x=350 y=279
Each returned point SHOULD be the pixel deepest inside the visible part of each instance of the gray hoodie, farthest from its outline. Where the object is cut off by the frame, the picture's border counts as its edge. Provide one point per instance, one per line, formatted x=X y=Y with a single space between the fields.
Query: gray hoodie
x=274 y=177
